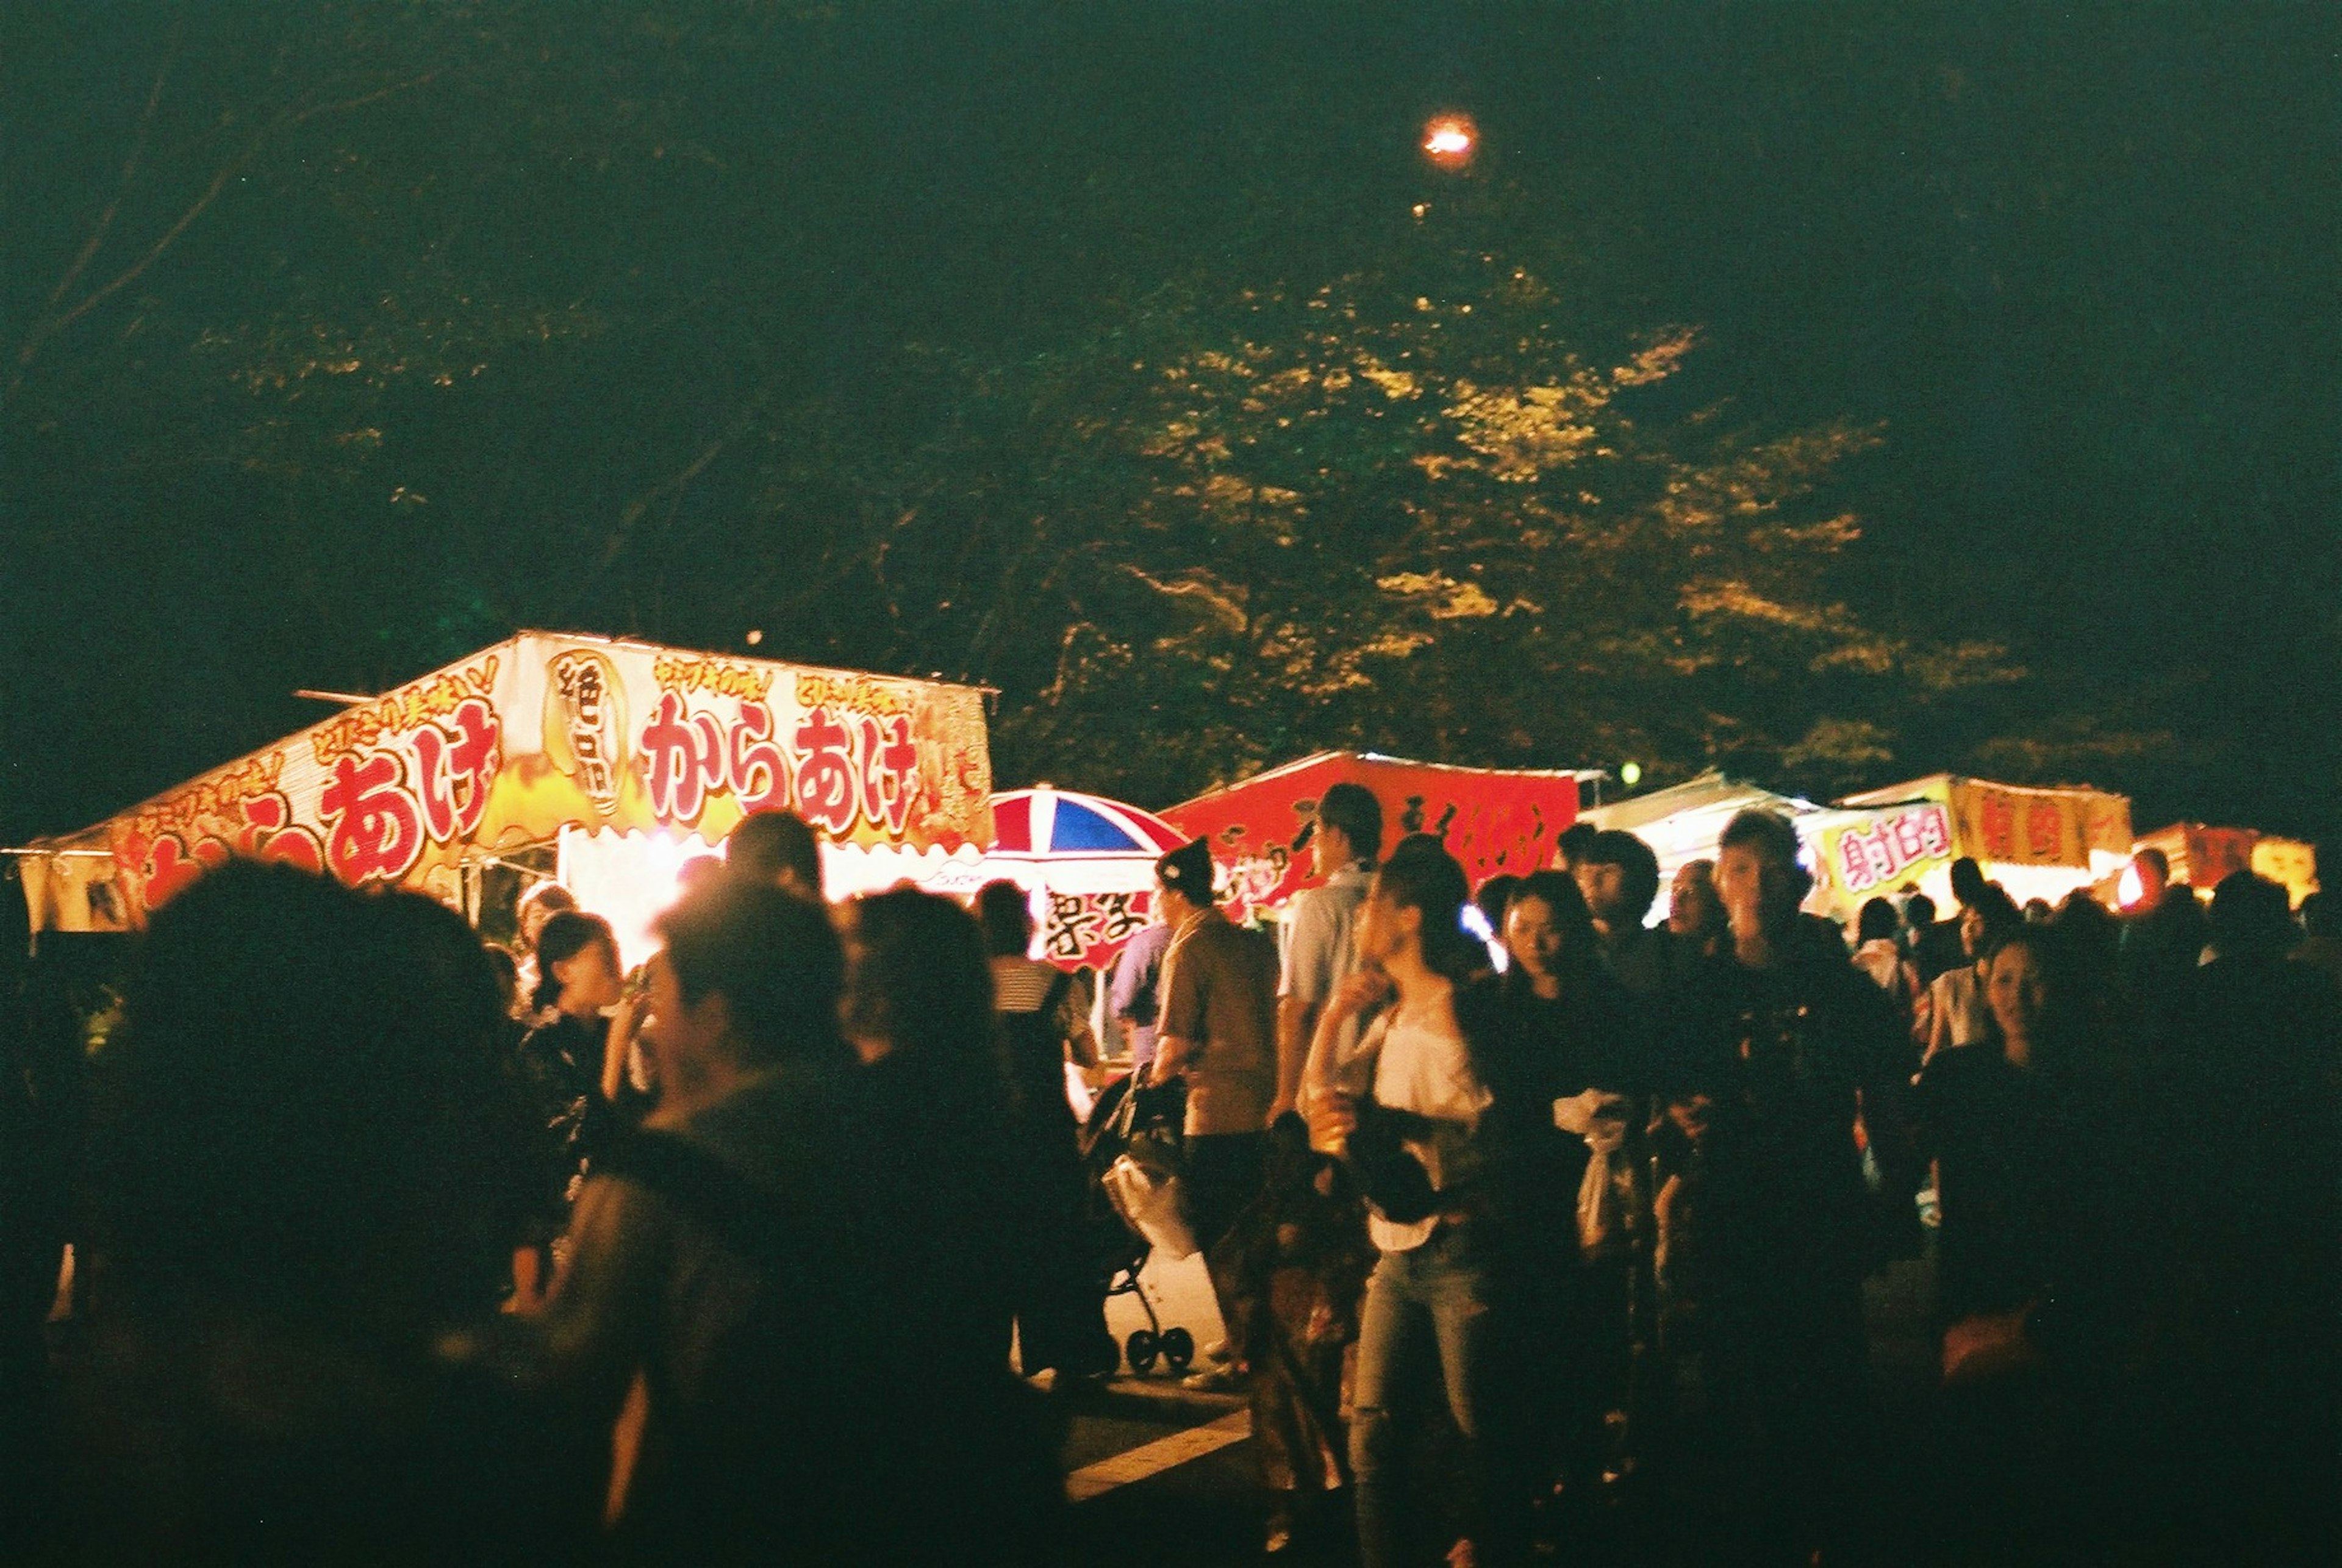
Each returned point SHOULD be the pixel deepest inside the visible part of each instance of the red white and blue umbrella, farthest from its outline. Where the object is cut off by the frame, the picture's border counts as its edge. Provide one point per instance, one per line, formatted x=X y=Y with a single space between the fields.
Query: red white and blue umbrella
x=1050 y=824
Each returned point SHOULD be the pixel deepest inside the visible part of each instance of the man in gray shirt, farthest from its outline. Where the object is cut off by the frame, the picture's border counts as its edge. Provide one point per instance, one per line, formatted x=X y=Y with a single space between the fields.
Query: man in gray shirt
x=1318 y=952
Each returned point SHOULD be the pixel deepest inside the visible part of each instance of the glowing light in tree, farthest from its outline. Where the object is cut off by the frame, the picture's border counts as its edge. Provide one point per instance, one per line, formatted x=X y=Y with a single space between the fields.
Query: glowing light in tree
x=1449 y=141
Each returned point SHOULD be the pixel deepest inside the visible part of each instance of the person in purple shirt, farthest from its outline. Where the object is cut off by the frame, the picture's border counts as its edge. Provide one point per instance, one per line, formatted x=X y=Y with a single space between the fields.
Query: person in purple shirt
x=1132 y=990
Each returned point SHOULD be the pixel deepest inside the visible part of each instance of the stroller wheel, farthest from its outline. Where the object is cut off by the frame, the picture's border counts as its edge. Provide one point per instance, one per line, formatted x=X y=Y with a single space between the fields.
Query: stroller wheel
x=1142 y=1347
x=1178 y=1348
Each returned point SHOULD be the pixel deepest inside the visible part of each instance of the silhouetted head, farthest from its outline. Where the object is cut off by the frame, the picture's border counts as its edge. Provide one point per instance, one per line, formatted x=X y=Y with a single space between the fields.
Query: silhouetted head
x=537 y=905
x=1352 y=811
x=1546 y=928
x=576 y=963
x=1571 y=845
x=771 y=957
x=1758 y=877
x=1416 y=905
x=1005 y=912
x=778 y=847
x=1619 y=876
x=918 y=983
x=2251 y=917
x=306 y=1114
x=1185 y=874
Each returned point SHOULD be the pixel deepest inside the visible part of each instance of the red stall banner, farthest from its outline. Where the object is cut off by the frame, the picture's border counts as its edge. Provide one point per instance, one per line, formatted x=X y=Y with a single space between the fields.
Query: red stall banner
x=1495 y=821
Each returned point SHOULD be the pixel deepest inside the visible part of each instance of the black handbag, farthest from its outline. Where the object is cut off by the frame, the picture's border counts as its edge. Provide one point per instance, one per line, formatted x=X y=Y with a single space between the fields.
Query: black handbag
x=1388 y=1171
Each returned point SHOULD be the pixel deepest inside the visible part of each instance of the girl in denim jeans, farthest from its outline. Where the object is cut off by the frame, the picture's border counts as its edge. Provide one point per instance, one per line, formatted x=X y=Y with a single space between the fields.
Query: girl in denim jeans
x=1442 y=1287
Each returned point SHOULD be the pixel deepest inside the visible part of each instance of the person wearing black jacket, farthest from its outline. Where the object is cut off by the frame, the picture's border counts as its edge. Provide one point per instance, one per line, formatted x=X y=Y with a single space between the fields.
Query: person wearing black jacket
x=1783 y=1046
x=1566 y=1058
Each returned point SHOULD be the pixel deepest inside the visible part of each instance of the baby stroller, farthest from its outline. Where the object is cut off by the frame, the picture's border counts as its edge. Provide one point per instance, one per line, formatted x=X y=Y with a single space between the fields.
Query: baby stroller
x=1143 y=1121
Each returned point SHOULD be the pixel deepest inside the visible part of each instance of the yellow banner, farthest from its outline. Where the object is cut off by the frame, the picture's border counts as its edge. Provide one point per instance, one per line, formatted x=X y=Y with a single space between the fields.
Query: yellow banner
x=2010 y=826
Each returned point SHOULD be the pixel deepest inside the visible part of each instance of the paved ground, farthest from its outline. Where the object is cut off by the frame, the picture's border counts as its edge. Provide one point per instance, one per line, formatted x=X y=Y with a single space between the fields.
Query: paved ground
x=1162 y=1478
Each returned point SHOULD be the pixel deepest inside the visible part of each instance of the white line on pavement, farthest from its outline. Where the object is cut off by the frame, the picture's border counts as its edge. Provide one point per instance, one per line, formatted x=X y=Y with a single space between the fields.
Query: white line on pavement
x=1155 y=1458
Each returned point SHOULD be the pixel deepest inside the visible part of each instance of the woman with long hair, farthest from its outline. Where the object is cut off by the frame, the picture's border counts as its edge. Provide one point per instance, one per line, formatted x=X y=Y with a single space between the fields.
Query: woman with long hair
x=1443 y=1286
x=1567 y=1068
x=958 y=1205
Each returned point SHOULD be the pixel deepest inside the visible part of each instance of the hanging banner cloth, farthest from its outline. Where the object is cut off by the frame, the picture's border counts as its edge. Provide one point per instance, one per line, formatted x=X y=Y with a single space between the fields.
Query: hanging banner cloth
x=1492 y=820
x=539 y=734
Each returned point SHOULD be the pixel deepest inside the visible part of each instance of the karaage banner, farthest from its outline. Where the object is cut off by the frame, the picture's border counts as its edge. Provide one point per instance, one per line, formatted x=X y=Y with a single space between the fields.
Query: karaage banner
x=545 y=732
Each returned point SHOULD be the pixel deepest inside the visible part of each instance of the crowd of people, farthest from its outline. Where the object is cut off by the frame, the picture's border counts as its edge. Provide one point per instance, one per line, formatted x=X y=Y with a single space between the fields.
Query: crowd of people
x=1548 y=1240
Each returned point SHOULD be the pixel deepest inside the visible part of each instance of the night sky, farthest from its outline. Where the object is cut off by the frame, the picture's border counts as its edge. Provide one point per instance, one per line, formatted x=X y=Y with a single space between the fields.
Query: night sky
x=2076 y=265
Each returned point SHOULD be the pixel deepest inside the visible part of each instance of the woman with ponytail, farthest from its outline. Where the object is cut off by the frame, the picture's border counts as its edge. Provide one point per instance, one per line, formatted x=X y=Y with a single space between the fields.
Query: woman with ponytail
x=1443 y=1287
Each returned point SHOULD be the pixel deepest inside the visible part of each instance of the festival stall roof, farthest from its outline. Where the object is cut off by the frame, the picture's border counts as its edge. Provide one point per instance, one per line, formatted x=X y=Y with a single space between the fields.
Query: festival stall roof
x=1494 y=820
x=2202 y=856
x=595 y=743
x=1086 y=863
x=1682 y=823
x=2037 y=842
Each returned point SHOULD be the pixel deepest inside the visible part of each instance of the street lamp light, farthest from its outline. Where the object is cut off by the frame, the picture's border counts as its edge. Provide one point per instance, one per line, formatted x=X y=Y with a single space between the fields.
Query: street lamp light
x=1450 y=140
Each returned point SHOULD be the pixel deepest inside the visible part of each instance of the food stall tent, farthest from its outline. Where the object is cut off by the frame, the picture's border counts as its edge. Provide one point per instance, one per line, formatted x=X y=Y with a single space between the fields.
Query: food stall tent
x=2200 y=856
x=628 y=756
x=1492 y=820
x=2035 y=841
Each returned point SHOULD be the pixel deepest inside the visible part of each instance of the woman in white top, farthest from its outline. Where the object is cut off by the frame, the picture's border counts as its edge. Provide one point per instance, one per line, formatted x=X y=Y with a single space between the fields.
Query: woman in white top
x=1432 y=1294
x=1956 y=1011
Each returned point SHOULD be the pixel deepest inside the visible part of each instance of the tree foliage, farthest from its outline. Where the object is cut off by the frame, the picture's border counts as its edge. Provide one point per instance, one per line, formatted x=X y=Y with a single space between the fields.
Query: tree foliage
x=1121 y=360
x=1237 y=527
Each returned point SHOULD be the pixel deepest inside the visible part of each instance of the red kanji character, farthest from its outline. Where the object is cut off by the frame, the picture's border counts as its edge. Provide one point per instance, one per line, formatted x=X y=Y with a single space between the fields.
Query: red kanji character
x=1935 y=833
x=1852 y=869
x=686 y=753
x=760 y=774
x=2044 y=829
x=266 y=835
x=890 y=772
x=167 y=871
x=826 y=792
x=1908 y=844
x=1878 y=855
x=377 y=827
x=2000 y=826
x=453 y=772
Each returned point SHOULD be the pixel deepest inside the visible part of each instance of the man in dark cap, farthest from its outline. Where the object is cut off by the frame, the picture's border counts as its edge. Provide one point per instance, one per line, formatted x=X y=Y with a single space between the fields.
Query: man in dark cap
x=1218 y=1032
